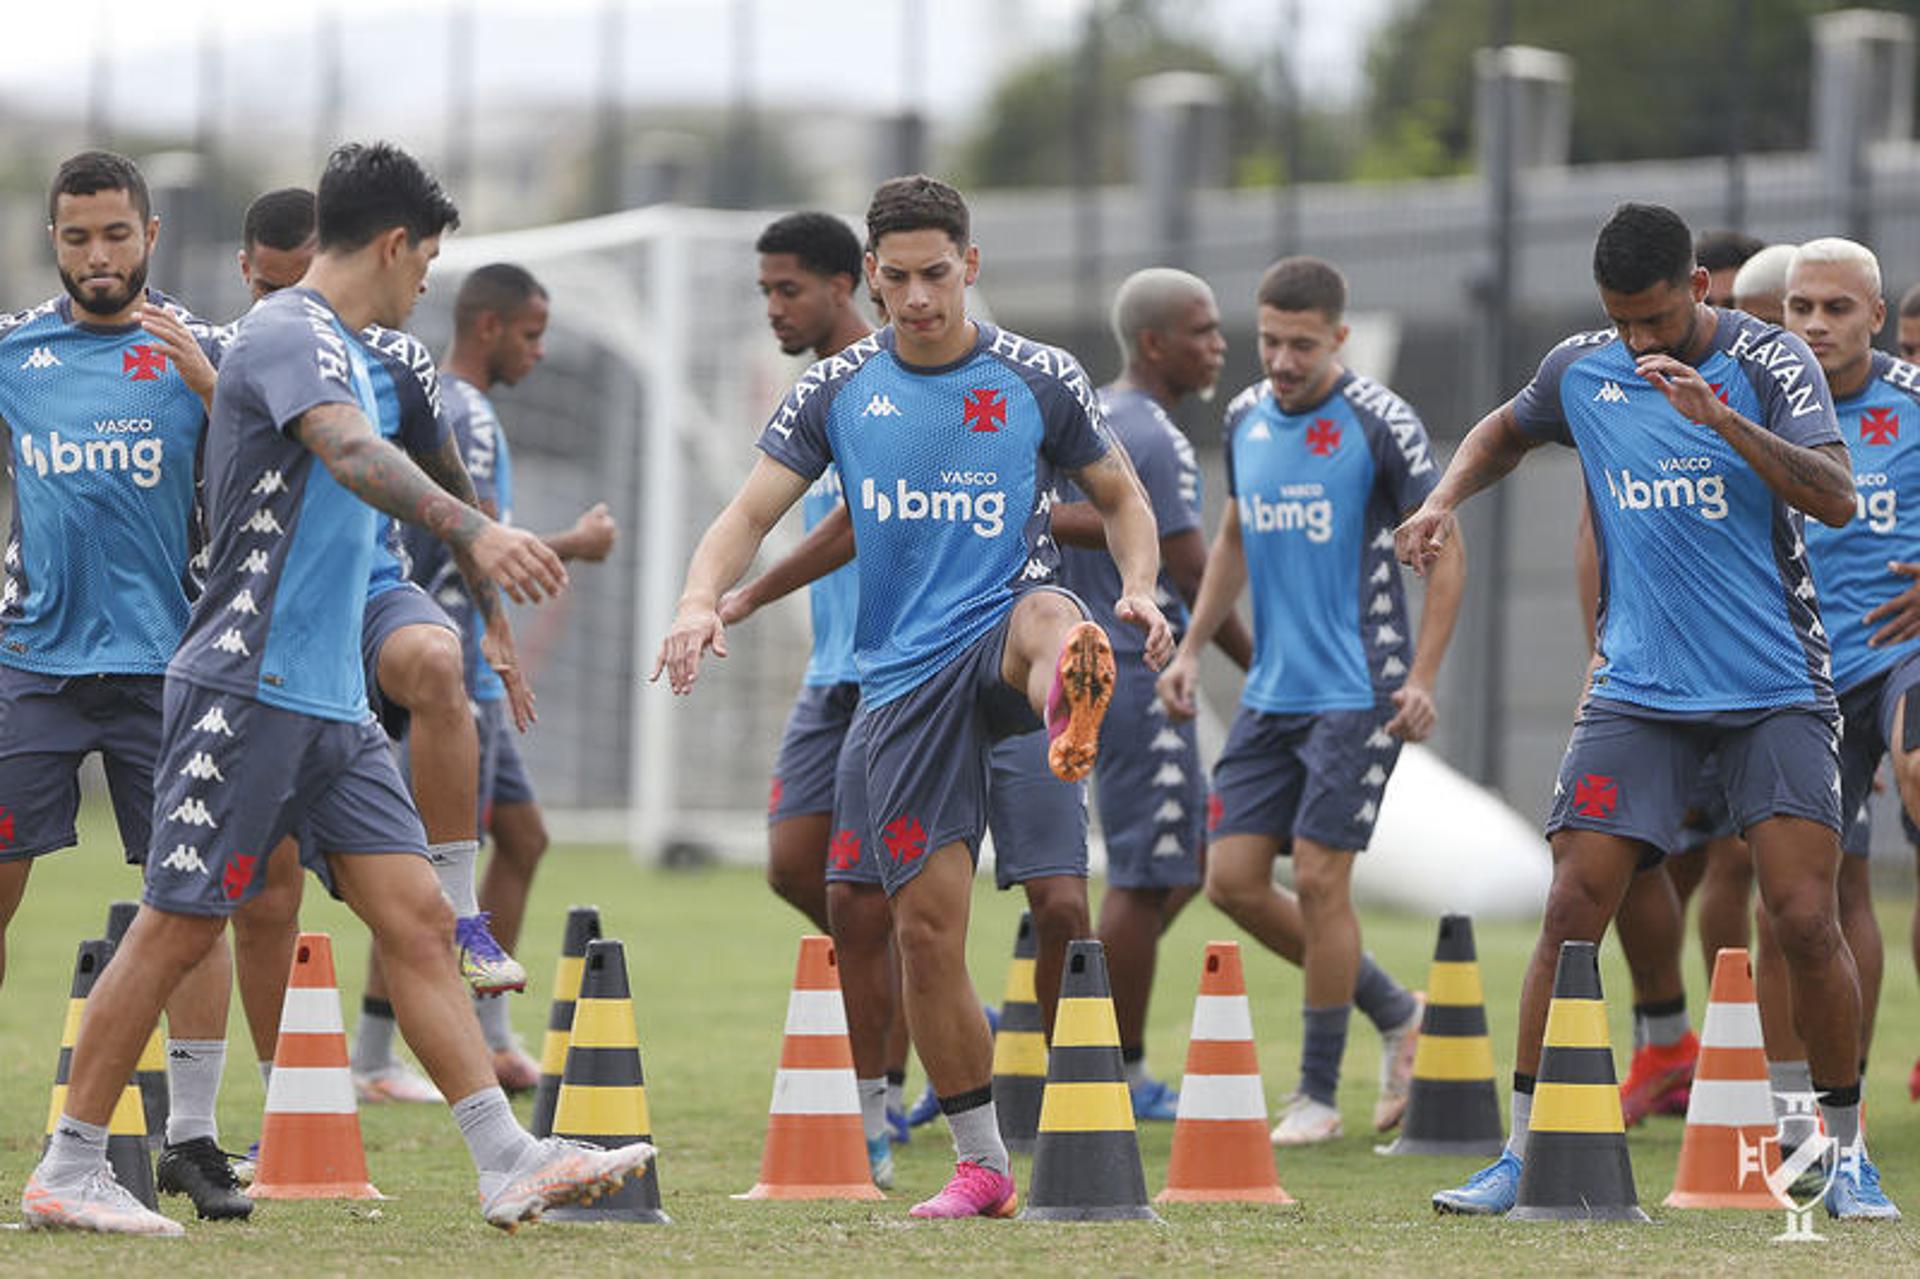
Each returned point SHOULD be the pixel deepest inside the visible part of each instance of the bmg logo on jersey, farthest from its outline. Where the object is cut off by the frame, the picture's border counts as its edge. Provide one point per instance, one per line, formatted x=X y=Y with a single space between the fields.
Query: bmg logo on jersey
x=1300 y=509
x=1681 y=484
x=985 y=511
x=140 y=458
x=1876 y=501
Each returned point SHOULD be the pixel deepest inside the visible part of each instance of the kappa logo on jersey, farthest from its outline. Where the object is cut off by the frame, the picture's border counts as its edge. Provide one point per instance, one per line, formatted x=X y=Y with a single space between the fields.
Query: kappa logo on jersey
x=1596 y=796
x=141 y=459
x=1680 y=485
x=230 y=641
x=142 y=363
x=986 y=410
x=238 y=875
x=906 y=839
x=214 y=721
x=880 y=406
x=1610 y=393
x=985 y=511
x=1879 y=426
x=192 y=812
x=41 y=357
x=185 y=858
x=1323 y=437
x=202 y=768
x=843 y=852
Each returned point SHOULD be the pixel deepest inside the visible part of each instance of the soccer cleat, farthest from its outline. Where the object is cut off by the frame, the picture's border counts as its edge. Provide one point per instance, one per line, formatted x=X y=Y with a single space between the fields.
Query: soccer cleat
x=487 y=968
x=899 y=1131
x=1077 y=702
x=975 y=1191
x=1491 y=1192
x=1153 y=1099
x=245 y=1166
x=1306 y=1122
x=880 y=1160
x=1674 y=1102
x=396 y=1083
x=95 y=1203
x=1397 y=1047
x=515 y=1071
x=203 y=1173
x=926 y=1110
x=556 y=1172
x=1854 y=1194
x=1656 y=1071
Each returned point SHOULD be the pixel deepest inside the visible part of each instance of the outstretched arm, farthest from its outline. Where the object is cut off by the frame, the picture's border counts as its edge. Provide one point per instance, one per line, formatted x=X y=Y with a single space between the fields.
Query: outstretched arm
x=1485 y=457
x=826 y=548
x=1134 y=541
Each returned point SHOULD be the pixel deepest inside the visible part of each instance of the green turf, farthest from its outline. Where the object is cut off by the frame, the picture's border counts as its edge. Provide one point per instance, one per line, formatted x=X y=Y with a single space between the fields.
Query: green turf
x=711 y=955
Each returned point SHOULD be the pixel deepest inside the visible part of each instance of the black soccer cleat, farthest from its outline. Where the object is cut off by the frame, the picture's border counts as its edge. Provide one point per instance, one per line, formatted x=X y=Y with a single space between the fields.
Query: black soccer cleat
x=200 y=1170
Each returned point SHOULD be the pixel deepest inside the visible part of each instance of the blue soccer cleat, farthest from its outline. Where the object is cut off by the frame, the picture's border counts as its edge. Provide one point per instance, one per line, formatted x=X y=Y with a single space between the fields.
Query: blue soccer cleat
x=898 y=1131
x=926 y=1110
x=1854 y=1194
x=1152 y=1099
x=1491 y=1192
x=880 y=1161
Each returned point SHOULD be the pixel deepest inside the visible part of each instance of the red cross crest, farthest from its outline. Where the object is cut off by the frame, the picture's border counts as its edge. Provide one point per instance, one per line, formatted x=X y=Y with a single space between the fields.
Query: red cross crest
x=1216 y=809
x=238 y=875
x=1595 y=796
x=6 y=828
x=142 y=363
x=773 y=796
x=1323 y=437
x=906 y=839
x=986 y=410
x=843 y=852
x=1879 y=426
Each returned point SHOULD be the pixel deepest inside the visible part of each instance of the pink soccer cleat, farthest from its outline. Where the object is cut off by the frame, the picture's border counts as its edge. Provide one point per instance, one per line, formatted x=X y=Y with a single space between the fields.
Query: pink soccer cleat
x=975 y=1191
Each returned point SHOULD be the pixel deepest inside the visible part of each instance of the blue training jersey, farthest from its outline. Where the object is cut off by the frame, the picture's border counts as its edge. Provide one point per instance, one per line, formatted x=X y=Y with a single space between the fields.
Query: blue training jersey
x=1850 y=563
x=1705 y=599
x=1319 y=493
x=947 y=472
x=834 y=600
x=105 y=440
x=1163 y=458
x=406 y=389
x=483 y=447
x=291 y=548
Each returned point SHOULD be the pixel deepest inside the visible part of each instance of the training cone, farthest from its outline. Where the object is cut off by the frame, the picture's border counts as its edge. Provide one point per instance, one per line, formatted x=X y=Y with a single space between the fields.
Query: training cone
x=310 y=1137
x=1086 y=1161
x=1453 y=1107
x=1020 y=1049
x=1576 y=1163
x=815 y=1147
x=603 y=1096
x=127 y=1152
x=1221 y=1153
x=583 y=926
x=1731 y=1107
x=151 y=1073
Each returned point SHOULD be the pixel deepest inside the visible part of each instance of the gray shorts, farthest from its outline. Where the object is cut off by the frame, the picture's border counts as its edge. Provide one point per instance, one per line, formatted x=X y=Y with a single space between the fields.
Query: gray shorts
x=1629 y=772
x=402 y=605
x=1150 y=786
x=803 y=781
x=237 y=776
x=1866 y=715
x=48 y=725
x=1317 y=776
x=1707 y=817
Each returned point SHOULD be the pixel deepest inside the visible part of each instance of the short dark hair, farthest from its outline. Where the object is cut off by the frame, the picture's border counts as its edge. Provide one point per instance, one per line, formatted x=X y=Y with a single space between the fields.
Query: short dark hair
x=370 y=188
x=823 y=243
x=918 y=203
x=498 y=288
x=1725 y=250
x=282 y=219
x=1640 y=246
x=1304 y=284
x=90 y=172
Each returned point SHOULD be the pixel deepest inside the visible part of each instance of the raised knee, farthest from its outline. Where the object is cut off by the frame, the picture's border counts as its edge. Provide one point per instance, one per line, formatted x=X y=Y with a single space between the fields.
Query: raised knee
x=438 y=673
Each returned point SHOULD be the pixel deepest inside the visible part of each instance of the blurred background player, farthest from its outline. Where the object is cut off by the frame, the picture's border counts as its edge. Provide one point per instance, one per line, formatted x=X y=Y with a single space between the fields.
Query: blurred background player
x=1760 y=285
x=1721 y=254
x=1907 y=325
x=1334 y=690
x=1149 y=781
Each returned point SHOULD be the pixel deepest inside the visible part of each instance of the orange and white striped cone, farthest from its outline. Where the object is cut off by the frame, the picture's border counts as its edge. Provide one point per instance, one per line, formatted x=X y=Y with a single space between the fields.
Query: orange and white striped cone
x=816 y=1148
x=1730 y=1112
x=1221 y=1153
x=310 y=1138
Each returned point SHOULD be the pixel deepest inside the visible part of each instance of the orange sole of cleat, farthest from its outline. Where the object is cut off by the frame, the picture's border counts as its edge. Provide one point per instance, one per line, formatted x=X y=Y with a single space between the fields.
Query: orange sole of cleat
x=1086 y=675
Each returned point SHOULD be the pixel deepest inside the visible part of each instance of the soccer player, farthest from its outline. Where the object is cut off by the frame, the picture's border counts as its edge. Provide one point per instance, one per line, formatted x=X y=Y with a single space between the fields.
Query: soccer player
x=1321 y=463
x=953 y=654
x=1709 y=636
x=1908 y=325
x=1760 y=285
x=1149 y=782
x=1721 y=254
x=273 y=697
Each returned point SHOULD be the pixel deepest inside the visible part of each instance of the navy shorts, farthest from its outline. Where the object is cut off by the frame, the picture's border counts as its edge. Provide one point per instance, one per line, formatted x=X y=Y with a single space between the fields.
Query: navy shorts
x=1151 y=789
x=237 y=776
x=1867 y=711
x=1313 y=776
x=402 y=605
x=1629 y=773
x=1707 y=816
x=503 y=774
x=48 y=724
x=803 y=771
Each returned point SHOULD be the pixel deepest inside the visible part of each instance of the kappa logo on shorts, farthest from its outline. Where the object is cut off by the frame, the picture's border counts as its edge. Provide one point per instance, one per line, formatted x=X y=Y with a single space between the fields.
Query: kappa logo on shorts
x=239 y=873
x=202 y=768
x=262 y=521
x=1596 y=796
x=270 y=481
x=906 y=839
x=192 y=812
x=843 y=853
x=230 y=641
x=1170 y=810
x=185 y=857
x=773 y=795
x=214 y=721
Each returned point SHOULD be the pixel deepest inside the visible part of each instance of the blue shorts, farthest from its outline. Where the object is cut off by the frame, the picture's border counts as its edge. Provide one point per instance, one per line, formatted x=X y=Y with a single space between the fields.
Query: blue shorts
x=1315 y=776
x=237 y=776
x=398 y=606
x=503 y=774
x=1867 y=711
x=1707 y=817
x=48 y=724
x=810 y=751
x=1151 y=788
x=1628 y=772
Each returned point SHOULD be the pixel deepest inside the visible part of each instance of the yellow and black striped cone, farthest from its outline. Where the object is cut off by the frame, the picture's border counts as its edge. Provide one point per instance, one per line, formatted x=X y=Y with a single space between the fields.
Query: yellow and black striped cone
x=127 y=1151
x=1453 y=1108
x=1020 y=1049
x=583 y=926
x=1577 y=1166
x=1086 y=1161
x=603 y=1095
x=151 y=1073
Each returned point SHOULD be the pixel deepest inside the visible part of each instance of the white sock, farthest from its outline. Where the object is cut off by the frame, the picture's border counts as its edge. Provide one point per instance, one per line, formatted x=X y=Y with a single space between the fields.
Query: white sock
x=74 y=1150
x=373 y=1037
x=1788 y=1078
x=495 y=1025
x=453 y=862
x=873 y=1106
x=1519 y=1116
x=193 y=1085
x=494 y=1137
x=897 y=1095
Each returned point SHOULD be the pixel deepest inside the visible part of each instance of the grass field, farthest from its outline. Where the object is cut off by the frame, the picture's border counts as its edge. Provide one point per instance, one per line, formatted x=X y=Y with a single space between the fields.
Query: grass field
x=711 y=955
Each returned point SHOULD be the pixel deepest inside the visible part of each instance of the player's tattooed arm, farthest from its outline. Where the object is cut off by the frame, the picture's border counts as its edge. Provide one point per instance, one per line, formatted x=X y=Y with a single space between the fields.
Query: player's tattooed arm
x=386 y=479
x=1133 y=538
x=1488 y=454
